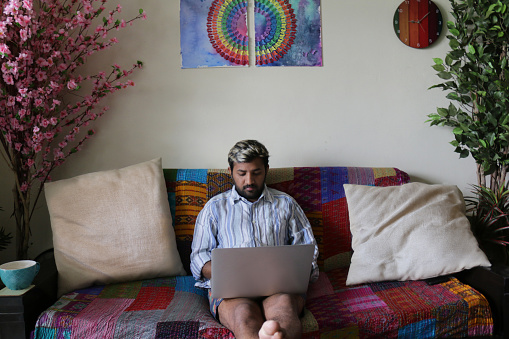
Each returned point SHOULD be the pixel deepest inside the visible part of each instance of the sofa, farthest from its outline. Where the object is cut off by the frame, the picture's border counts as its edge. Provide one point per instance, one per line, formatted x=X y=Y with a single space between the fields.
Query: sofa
x=159 y=306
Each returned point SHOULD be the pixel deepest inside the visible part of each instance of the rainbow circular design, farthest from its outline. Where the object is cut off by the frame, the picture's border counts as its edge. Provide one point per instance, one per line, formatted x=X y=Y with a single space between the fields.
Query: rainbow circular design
x=275 y=33
x=275 y=27
x=227 y=30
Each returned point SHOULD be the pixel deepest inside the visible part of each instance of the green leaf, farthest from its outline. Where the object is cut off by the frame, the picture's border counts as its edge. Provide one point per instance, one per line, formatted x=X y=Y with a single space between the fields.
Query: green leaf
x=464 y=154
x=458 y=131
x=438 y=61
x=471 y=49
x=439 y=68
x=442 y=112
x=454 y=44
x=141 y=11
x=453 y=96
x=448 y=60
x=454 y=31
x=445 y=75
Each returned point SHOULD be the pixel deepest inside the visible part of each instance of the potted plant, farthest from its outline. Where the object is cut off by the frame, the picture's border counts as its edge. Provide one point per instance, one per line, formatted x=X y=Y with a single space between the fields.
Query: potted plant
x=44 y=115
x=475 y=74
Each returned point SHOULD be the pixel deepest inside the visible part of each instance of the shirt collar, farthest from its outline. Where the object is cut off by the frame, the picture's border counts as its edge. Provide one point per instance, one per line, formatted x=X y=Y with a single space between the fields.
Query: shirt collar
x=266 y=195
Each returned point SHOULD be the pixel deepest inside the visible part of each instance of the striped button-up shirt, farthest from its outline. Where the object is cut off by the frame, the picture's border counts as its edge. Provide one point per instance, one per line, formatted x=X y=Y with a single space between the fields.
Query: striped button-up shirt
x=229 y=220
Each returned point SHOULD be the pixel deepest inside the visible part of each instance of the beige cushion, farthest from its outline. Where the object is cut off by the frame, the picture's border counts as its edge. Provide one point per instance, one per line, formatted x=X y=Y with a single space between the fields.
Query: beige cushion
x=410 y=232
x=112 y=226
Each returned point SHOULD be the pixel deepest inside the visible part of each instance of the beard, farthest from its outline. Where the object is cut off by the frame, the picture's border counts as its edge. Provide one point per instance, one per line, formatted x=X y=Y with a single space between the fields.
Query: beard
x=250 y=192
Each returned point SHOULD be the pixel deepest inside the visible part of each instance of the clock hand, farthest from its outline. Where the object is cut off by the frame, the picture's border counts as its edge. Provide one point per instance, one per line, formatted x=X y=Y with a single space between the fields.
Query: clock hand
x=423 y=18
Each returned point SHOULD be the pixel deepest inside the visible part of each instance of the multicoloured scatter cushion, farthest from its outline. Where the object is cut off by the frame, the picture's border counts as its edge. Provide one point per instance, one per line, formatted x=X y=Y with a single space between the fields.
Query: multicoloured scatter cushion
x=173 y=308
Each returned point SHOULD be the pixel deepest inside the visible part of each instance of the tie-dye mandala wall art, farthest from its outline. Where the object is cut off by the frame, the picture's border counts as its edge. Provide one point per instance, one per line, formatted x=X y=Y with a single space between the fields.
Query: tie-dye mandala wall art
x=288 y=33
x=214 y=33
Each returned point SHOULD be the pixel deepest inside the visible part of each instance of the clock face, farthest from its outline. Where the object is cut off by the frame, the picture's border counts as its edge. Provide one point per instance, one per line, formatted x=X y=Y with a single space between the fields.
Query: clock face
x=418 y=23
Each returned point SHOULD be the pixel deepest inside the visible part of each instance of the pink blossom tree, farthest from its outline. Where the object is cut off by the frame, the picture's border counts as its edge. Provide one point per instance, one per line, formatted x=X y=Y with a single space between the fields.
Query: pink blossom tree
x=44 y=107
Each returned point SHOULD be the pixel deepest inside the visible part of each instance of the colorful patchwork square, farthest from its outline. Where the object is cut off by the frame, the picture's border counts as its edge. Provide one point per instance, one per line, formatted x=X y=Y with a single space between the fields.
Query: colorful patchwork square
x=152 y=298
x=361 y=176
x=140 y=324
x=332 y=180
x=93 y=290
x=307 y=188
x=177 y=329
x=337 y=233
x=98 y=320
x=216 y=333
x=128 y=290
x=186 y=284
x=160 y=282
x=280 y=175
x=385 y=285
x=330 y=313
x=407 y=303
x=360 y=299
x=436 y=295
x=198 y=175
x=420 y=329
x=218 y=182
x=190 y=198
x=378 y=323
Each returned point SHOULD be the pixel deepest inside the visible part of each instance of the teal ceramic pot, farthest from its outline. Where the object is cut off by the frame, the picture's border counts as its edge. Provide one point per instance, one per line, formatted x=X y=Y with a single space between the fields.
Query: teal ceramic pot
x=18 y=275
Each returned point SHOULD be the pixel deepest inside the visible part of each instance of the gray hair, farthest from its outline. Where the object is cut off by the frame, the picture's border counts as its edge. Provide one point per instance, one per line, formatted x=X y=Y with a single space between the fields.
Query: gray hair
x=247 y=151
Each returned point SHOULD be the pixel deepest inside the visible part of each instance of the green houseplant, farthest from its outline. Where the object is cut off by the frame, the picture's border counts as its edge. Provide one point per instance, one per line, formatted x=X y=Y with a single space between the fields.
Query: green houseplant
x=475 y=74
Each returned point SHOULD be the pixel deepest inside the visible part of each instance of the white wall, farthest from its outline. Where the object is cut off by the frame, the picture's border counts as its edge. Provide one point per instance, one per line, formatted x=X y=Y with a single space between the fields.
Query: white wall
x=366 y=106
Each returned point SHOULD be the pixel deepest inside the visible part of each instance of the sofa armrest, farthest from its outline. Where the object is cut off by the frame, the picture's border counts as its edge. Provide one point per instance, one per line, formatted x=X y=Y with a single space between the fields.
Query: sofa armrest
x=493 y=283
x=47 y=279
x=45 y=290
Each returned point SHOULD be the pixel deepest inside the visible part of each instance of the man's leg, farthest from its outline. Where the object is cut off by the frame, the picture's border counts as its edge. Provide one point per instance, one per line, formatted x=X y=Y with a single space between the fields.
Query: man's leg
x=282 y=314
x=242 y=316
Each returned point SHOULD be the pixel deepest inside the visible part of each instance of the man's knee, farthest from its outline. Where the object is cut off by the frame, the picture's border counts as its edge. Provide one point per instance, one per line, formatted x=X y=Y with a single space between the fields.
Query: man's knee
x=235 y=312
x=283 y=301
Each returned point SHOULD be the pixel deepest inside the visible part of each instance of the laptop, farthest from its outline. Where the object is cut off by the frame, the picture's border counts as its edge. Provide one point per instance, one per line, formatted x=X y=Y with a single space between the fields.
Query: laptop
x=261 y=271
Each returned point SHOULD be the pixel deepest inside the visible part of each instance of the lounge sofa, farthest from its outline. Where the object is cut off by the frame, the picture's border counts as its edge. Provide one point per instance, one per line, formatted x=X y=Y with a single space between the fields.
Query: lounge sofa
x=171 y=307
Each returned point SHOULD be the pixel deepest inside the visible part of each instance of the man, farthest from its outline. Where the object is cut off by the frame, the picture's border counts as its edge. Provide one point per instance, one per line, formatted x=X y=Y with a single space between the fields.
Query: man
x=251 y=215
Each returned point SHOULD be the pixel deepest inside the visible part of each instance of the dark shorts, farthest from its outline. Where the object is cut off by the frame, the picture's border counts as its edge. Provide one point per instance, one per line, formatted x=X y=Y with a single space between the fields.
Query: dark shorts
x=214 y=303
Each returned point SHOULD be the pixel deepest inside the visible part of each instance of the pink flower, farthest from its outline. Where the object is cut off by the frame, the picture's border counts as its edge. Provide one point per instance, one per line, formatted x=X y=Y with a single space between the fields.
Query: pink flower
x=72 y=85
x=41 y=76
x=9 y=79
x=24 y=187
x=4 y=50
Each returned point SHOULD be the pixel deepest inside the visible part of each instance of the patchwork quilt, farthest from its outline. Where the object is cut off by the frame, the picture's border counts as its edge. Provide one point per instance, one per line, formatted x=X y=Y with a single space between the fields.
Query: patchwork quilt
x=173 y=308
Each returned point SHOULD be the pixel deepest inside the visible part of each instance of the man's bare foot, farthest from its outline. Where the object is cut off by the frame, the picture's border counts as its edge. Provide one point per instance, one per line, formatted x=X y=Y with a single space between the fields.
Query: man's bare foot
x=270 y=330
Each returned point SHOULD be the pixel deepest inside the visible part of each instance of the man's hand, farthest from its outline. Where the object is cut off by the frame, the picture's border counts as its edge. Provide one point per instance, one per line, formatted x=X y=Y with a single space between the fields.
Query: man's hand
x=206 y=271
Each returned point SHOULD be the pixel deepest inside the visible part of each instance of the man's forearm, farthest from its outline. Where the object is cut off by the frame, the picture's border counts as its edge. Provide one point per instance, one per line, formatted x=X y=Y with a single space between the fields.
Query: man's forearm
x=206 y=271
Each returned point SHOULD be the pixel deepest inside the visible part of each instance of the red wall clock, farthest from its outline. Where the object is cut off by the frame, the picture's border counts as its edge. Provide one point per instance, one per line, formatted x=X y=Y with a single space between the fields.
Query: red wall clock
x=418 y=23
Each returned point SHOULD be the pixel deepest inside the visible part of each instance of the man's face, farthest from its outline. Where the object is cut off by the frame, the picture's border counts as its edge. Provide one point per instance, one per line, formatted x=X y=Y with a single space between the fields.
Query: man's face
x=249 y=178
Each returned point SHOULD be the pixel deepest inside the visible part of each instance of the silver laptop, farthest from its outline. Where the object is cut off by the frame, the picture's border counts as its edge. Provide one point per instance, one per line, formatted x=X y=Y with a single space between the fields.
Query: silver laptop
x=261 y=271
